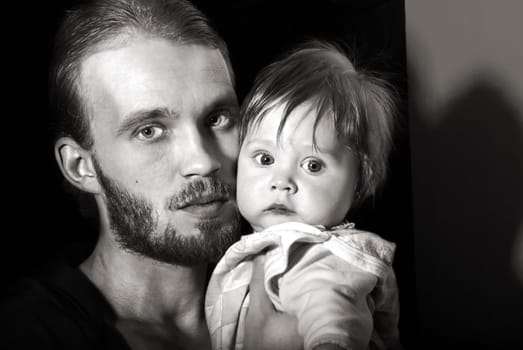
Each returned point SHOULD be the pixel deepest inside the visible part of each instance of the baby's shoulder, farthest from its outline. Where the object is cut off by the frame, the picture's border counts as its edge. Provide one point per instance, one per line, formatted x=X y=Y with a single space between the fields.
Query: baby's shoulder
x=365 y=242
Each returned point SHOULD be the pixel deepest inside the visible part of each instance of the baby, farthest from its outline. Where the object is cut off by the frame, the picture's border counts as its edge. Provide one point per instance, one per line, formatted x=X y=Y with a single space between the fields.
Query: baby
x=315 y=136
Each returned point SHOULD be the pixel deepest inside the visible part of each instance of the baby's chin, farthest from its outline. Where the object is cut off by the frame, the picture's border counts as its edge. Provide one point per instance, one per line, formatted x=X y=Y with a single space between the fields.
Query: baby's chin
x=276 y=220
x=267 y=221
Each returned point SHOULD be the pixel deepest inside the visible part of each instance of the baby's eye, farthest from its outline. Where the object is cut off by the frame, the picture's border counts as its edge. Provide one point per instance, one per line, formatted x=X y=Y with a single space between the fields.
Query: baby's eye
x=312 y=165
x=150 y=133
x=264 y=159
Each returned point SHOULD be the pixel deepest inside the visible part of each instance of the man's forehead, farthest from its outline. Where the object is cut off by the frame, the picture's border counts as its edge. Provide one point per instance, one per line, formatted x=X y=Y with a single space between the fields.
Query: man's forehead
x=149 y=72
x=158 y=53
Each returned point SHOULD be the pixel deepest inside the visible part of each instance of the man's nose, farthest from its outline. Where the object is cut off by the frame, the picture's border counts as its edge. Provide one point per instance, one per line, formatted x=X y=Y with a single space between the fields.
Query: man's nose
x=198 y=154
x=283 y=183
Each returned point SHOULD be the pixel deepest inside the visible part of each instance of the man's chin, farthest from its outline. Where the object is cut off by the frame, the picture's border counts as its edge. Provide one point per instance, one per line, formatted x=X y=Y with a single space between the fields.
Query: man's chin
x=204 y=240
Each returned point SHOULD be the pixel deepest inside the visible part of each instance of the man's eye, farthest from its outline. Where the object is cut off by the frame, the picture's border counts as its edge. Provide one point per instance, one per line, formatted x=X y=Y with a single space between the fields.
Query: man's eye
x=221 y=120
x=149 y=133
x=264 y=159
x=312 y=165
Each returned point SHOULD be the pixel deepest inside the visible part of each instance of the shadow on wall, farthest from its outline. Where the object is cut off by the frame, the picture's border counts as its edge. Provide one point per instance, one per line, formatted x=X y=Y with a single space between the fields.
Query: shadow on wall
x=468 y=186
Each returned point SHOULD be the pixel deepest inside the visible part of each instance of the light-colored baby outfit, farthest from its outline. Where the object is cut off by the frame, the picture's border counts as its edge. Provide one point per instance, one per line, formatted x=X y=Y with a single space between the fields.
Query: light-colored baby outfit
x=338 y=282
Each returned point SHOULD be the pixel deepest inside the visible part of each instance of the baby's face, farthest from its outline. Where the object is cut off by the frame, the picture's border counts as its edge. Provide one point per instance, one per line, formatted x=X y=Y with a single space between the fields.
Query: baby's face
x=290 y=180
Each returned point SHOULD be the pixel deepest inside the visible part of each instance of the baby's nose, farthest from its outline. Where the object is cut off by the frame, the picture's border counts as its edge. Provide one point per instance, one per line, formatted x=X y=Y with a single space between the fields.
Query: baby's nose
x=281 y=183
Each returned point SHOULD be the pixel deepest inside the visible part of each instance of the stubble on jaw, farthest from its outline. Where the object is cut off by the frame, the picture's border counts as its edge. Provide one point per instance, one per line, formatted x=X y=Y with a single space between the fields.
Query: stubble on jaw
x=134 y=224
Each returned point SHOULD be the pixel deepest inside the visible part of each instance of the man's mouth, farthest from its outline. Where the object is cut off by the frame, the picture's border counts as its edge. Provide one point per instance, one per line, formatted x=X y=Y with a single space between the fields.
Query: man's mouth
x=203 y=201
x=279 y=209
x=204 y=206
x=203 y=198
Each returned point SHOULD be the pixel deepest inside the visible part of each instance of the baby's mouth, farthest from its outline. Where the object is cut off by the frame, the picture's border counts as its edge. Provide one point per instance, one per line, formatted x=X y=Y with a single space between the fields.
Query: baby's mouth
x=279 y=209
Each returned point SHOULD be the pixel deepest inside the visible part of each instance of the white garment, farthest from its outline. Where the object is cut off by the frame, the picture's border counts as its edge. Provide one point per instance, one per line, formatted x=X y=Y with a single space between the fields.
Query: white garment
x=339 y=283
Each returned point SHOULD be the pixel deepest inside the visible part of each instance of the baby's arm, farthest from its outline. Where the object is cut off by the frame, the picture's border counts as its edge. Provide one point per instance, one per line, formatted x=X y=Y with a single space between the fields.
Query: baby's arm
x=266 y=328
x=329 y=298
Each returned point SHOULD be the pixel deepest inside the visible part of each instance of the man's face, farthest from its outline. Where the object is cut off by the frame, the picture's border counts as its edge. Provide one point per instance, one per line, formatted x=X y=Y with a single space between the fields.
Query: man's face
x=163 y=118
x=291 y=179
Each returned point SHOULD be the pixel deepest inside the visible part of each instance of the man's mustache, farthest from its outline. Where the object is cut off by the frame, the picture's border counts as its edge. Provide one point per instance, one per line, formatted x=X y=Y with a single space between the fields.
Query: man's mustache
x=202 y=191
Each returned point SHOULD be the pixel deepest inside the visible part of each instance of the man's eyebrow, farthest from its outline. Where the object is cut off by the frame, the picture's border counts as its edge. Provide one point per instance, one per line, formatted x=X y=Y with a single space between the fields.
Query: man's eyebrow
x=224 y=101
x=140 y=117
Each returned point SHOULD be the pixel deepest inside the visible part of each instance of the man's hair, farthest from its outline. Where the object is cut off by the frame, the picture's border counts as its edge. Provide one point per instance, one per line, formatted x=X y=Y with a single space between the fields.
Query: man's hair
x=360 y=104
x=92 y=26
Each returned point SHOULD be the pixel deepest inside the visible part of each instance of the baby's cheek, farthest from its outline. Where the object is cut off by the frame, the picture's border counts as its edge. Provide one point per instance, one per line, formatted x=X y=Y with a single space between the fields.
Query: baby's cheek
x=248 y=205
x=328 y=210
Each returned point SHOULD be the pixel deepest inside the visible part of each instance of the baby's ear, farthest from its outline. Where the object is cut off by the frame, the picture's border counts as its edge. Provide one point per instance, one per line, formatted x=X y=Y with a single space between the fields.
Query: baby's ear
x=76 y=165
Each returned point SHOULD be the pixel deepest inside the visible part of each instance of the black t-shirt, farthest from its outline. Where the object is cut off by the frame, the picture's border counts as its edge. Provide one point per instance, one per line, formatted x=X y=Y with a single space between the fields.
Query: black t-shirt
x=58 y=308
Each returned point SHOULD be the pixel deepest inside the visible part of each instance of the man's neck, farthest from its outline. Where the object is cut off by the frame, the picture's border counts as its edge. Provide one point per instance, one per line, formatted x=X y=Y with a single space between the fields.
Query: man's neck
x=151 y=299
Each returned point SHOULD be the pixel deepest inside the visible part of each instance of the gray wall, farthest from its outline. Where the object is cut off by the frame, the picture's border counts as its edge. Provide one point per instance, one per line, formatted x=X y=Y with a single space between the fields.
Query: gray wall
x=465 y=68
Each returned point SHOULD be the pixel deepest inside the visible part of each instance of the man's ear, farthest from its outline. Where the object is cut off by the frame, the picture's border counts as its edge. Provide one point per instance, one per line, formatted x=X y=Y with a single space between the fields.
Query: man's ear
x=76 y=165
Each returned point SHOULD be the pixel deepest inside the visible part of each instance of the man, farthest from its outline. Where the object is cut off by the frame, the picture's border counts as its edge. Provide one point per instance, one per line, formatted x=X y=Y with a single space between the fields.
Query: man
x=147 y=125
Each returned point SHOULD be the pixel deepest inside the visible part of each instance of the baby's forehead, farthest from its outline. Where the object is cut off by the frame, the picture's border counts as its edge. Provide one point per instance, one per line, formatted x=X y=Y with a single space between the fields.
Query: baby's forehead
x=301 y=124
x=282 y=111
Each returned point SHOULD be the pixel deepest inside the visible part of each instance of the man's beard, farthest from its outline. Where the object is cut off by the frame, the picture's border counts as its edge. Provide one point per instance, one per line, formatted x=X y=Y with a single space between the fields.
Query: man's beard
x=133 y=222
